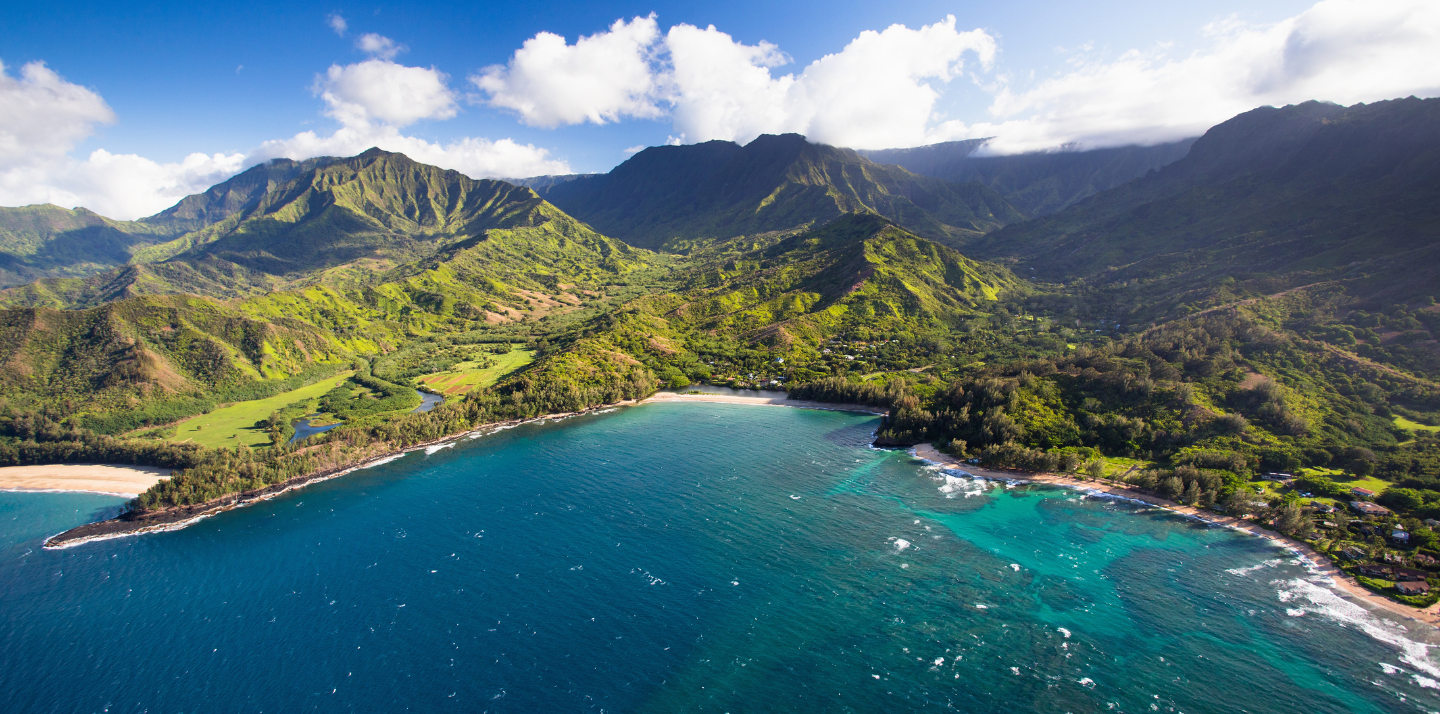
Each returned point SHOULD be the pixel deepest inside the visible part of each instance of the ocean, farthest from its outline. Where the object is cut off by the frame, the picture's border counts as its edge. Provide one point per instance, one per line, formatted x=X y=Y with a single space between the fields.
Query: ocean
x=683 y=558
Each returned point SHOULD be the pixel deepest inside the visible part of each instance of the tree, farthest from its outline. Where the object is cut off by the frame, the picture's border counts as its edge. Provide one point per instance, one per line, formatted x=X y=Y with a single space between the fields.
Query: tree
x=1291 y=521
x=1192 y=494
x=1095 y=468
x=1171 y=487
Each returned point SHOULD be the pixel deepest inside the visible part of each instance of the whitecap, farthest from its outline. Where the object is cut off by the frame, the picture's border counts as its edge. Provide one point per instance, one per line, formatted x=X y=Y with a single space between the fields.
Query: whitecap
x=1252 y=568
x=436 y=447
x=1426 y=682
x=1388 y=668
x=901 y=544
x=1087 y=682
x=1015 y=567
x=1064 y=632
x=381 y=462
x=1325 y=601
x=1015 y=671
x=979 y=606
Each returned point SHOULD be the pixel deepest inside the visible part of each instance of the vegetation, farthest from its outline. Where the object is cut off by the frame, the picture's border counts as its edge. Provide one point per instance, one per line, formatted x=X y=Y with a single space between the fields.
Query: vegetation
x=1189 y=363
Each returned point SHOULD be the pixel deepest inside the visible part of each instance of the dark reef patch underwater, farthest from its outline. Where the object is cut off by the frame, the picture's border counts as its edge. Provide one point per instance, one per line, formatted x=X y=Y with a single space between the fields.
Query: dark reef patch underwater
x=682 y=557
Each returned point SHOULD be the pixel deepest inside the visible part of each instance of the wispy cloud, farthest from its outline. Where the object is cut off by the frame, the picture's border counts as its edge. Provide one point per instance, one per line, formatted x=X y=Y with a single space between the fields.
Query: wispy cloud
x=337 y=23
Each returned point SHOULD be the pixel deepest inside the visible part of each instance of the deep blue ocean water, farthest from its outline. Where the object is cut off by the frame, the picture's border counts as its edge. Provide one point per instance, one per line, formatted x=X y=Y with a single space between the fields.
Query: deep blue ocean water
x=675 y=558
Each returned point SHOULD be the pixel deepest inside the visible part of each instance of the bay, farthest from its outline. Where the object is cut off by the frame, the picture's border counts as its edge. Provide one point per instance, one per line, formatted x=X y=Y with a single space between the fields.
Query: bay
x=682 y=557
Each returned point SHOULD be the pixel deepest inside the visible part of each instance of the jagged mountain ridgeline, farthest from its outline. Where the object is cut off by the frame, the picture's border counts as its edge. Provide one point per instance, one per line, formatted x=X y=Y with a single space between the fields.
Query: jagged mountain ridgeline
x=678 y=195
x=1291 y=196
x=1038 y=183
x=1259 y=297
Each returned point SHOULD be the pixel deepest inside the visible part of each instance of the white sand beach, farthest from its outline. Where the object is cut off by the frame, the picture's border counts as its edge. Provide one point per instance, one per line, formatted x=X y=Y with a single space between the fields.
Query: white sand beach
x=119 y=480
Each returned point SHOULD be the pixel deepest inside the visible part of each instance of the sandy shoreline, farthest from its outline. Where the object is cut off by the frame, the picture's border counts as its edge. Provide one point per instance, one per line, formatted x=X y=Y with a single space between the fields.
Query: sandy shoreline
x=662 y=397
x=110 y=479
x=1321 y=564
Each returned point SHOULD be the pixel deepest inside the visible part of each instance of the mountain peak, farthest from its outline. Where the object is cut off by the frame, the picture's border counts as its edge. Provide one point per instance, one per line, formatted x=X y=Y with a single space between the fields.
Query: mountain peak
x=719 y=189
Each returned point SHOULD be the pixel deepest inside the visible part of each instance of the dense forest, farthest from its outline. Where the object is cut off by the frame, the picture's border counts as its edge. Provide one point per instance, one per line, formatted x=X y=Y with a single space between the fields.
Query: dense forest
x=1194 y=344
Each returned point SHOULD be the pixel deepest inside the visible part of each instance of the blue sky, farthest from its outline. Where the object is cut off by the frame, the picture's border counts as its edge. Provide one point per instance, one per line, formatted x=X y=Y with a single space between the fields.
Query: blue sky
x=181 y=78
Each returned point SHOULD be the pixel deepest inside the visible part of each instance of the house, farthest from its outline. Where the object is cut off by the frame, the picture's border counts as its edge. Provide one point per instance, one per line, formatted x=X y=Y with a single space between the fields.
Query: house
x=1374 y=570
x=1352 y=553
x=1400 y=537
x=1413 y=587
x=1362 y=492
x=1369 y=509
x=1272 y=476
x=1432 y=523
x=1322 y=507
x=1408 y=573
x=1426 y=560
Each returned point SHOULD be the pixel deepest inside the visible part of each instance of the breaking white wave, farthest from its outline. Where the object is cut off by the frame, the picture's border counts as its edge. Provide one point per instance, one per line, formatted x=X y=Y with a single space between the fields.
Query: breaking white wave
x=381 y=462
x=901 y=544
x=965 y=484
x=1064 y=632
x=432 y=449
x=1087 y=682
x=1258 y=566
x=1320 y=600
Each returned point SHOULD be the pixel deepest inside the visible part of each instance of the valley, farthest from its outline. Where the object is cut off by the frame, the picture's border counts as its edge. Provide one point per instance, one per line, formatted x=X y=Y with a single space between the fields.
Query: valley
x=1185 y=318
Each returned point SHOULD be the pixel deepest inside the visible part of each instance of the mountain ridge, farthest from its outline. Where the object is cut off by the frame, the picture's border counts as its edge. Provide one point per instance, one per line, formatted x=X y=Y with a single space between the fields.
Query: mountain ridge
x=719 y=190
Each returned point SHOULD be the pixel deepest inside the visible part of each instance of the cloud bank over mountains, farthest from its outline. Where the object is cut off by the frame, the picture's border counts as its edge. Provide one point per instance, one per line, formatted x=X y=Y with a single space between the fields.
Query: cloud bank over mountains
x=880 y=90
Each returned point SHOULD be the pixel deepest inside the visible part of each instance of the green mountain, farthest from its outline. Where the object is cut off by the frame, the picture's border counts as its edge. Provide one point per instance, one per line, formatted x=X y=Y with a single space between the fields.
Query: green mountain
x=48 y=241
x=1037 y=183
x=719 y=189
x=1290 y=196
x=369 y=220
x=238 y=193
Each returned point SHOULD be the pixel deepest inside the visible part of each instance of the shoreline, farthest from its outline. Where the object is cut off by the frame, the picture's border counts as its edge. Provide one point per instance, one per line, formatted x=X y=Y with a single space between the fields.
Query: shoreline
x=1320 y=564
x=123 y=480
x=664 y=397
x=185 y=516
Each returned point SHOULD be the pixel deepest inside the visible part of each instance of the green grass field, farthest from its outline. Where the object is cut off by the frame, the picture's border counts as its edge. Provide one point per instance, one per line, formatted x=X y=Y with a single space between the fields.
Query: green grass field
x=465 y=376
x=235 y=424
x=1412 y=426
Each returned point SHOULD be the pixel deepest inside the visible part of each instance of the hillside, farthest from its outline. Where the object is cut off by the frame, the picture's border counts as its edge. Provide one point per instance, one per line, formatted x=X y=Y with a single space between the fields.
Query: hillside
x=369 y=220
x=238 y=193
x=1293 y=196
x=49 y=241
x=719 y=190
x=1037 y=183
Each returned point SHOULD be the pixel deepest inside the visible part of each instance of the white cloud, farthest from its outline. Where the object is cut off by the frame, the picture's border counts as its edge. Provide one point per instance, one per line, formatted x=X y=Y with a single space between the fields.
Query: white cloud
x=337 y=23
x=879 y=91
x=1345 y=51
x=43 y=118
x=379 y=90
x=601 y=78
x=379 y=46
x=477 y=158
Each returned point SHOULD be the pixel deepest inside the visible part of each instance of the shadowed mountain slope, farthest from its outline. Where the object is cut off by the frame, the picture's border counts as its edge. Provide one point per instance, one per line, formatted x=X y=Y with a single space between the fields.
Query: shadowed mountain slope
x=1038 y=183
x=1308 y=192
x=719 y=189
x=49 y=241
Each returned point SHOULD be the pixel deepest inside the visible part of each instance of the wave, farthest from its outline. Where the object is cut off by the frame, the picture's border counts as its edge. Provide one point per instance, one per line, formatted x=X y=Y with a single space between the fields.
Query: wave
x=1240 y=572
x=381 y=462
x=432 y=449
x=1347 y=613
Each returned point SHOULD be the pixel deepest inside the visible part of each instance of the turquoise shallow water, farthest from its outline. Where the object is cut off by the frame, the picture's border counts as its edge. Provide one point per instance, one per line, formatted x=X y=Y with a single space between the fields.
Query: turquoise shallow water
x=681 y=557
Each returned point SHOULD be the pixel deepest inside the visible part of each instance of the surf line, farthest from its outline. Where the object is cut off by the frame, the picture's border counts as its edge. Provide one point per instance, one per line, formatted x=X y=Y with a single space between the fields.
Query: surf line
x=1313 y=562
x=119 y=528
